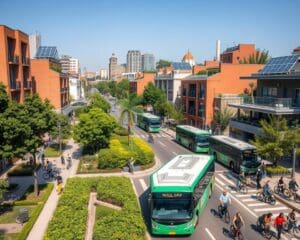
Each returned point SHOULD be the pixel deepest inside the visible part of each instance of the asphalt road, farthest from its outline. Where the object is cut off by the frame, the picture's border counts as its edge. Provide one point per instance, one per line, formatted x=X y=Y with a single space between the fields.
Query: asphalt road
x=210 y=227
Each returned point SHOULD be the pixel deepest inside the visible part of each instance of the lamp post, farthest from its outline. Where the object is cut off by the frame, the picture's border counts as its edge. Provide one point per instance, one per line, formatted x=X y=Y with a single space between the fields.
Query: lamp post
x=294 y=160
x=59 y=137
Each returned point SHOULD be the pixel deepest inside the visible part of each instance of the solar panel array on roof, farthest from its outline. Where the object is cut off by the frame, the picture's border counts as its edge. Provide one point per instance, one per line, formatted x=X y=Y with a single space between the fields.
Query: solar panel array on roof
x=280 y=65
x=181 y=66
x=47 y=52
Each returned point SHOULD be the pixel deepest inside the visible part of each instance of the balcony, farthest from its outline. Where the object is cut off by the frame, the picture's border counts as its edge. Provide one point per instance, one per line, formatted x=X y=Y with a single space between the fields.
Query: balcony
x=27 y=84
x=25 y=61
x=13 y=59
x=192 y=93
x=246 y=125
x=271 y=105
x=64 y=90
x=15 y=85
x=192 y=111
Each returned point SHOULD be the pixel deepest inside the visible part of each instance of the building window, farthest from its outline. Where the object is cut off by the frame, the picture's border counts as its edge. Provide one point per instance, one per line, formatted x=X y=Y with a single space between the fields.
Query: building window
x=201 y=110
x=269 y=92
x=201 y=90
x=192 y=90
x=184 y=90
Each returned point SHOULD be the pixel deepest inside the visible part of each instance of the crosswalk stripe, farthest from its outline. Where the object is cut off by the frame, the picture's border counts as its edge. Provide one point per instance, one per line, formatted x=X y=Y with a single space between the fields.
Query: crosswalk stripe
x=220 y=182
x=174 y=153
x=164 y=145
x=270 y=209
x=248 y=200
x=227 y=180
x=257 y=204
x=142 y=136
x=244 y=195
x=163 y=135
x=143 y=184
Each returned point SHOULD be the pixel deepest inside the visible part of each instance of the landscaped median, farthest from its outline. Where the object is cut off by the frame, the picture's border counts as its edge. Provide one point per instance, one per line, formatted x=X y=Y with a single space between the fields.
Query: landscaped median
x=70 y=217
x=117 y=155
x=33 y=204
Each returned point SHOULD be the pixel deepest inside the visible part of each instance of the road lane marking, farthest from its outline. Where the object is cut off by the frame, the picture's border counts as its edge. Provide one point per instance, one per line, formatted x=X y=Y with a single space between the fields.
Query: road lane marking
x=164 y=135
x=240 y=203
x=270 y=209
x=174 y=153
x=142 y=136
x=164 y=145
x=226 y=179
x=143 y=184
x=257 y=204
x=219 y=171
x=219 y=181
x=249 y=200
x=244 y=195
x=210 y=234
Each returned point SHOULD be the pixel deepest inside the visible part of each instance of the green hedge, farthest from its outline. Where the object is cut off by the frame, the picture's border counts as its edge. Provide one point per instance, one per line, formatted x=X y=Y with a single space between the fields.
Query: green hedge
x=277 y=170
x=121 y=131
x=119 y=153
x=22 y=170
x=70 y=216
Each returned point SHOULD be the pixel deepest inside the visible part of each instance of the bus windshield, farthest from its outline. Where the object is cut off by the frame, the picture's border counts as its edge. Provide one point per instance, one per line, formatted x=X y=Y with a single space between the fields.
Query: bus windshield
x=202 y=139
x=250 y=158
x=155 y=122
x=172 y=206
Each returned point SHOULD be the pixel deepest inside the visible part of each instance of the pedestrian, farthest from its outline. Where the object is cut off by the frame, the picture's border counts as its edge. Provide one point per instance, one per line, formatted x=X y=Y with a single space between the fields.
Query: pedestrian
x=69 y=159
x=263 y=169
x=131 y=165
x=258 y=178
x=279 y=221
x=62 y=159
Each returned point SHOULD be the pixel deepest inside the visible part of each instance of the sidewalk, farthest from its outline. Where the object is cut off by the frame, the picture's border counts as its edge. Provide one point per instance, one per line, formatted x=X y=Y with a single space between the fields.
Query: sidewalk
x=40 y=226
x=169 y=132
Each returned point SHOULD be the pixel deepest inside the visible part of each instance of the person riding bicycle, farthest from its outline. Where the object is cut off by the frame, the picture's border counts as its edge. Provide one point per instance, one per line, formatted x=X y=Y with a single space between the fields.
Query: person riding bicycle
x=291 y=219
x=280 y=184
x=267 y=190
x=150 y=138
x=239 y=182
x=266 y=223
x=237 y=222
x=225 y=199
x=293 y=186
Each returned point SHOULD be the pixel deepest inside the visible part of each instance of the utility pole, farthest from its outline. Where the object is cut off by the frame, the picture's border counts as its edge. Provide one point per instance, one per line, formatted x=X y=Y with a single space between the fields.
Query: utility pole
x=294 y=160
x=59 y=136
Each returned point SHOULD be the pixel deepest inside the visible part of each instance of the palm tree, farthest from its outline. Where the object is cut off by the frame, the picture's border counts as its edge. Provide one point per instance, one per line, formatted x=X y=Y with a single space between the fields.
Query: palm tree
x=221 y=119
x=129 y=107
x=259 y=57
x=252 y=86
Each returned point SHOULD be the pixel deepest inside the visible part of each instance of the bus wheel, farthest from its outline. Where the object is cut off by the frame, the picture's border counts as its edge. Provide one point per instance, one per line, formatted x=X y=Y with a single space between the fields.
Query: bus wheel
x=215 y=156
x=191 y=147
x=197 y=220
x=231 y=166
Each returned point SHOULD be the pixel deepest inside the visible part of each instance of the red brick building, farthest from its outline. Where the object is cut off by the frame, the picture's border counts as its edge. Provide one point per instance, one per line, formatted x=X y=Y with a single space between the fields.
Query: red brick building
x=141 y=81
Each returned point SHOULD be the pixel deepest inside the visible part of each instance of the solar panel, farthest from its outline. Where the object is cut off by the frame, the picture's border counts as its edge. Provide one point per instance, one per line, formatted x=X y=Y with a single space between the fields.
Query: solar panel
x=280 y=65
x=181 y=66
x=47 y=52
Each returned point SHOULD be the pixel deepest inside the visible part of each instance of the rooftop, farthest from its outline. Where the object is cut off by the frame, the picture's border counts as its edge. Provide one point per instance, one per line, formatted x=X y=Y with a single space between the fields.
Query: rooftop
x=233 y=142
x=187 y=56
x=47 y=52
x=181 y=66
x=192 y=129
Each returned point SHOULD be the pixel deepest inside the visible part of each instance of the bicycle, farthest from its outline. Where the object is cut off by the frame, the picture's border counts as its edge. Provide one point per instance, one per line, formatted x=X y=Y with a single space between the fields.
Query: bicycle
x=236 y=233
x=267 y=199
x=294 y=194
x=224 y=213
x=264 y=230
x=294 y=229
x=284 y=191
x=242 y=188
x=52 y=174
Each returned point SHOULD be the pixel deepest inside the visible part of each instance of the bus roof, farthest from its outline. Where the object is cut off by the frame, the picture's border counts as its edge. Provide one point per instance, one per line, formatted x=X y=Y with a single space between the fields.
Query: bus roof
x=149 y=115
x=192 y=129
x=180 y=173
x=233 y=142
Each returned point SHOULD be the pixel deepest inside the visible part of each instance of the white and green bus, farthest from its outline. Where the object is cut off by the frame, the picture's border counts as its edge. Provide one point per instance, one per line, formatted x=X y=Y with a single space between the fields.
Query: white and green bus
x=193 y=138
x=148 y=122
x=180 y=191
x=239 y=156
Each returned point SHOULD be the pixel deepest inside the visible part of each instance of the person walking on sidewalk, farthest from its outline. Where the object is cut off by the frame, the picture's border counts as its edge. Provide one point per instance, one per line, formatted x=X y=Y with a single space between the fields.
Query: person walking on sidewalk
x=69 y=160
x=258 y=178
x=62 y=159
x=263 y=169
x=279 y=221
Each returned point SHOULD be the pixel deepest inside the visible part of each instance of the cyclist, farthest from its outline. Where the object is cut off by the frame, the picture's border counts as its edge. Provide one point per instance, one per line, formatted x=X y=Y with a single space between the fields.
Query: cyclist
x=279 y=221
x=239 y=181
x=267 y=190
x=291 y=219
x=150 y=138
x=293 y=186
x=225 y=199
x=237 y=222
x=280 y=185
x=266 y=223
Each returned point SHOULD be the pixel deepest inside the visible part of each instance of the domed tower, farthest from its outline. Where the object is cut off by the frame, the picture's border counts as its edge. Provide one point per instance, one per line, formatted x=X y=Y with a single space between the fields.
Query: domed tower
x=188 y=58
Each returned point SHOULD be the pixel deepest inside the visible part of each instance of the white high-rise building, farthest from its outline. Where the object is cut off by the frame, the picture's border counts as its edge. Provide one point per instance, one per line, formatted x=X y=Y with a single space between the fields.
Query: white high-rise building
x=103 y=73
x=35 y=41
x=75 y=88
x=134 y=61
x=74 y=66
x=70 y=65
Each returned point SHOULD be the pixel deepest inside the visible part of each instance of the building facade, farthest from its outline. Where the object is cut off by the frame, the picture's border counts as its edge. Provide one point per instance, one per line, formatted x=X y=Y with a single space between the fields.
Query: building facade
x=134 y=61
x=75 y=87
x=70 y=65
x=169 y=79
x=198 y=92
x=103 y=74
x=113 y=64
x=189 y=58
x=141 y=81
x=237 y=53
x=35 y=41
x=15 y=72
x=278 y=94
x=74 y=66
x=65 y=63
x=148 y=62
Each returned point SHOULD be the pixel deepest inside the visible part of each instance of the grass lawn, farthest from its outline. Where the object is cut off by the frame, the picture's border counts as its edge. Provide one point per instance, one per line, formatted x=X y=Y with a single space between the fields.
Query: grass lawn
x=10 y=215
x=9 y=236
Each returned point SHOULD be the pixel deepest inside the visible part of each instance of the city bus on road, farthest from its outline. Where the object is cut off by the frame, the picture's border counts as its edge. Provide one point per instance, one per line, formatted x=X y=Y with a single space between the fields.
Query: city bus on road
x=193 y=138
x=239 y=156
x=180 y=191
x=148 y=122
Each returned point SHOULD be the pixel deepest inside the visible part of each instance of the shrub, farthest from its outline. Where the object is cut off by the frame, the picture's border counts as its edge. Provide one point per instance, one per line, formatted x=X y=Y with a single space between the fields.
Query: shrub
x=145 y=153
x=277 y=170
x=121 y=131
x=22 y=169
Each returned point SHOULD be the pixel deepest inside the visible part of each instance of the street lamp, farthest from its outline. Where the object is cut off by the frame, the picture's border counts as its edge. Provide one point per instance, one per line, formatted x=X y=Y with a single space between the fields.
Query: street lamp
x=59 y=136
x=294 y=159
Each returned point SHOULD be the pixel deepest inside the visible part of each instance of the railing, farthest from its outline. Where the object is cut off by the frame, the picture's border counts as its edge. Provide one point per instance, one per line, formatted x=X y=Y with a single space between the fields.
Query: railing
x=200 y=112
x=15 y=85
x=192 y=93
x=13 y=59
x=184 y=92
x=25 y=61
x=192 y=111
x=269 y=102
x=27 y=84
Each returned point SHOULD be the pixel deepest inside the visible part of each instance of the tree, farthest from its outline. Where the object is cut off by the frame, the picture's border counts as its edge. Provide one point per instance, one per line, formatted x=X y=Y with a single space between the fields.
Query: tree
x=3 y=187
x=259 y=57
x=221 y=119
x=103 y=87
x=277 y=140
x=96 y=100
x=41 y=119
x=63 y=127
x=122 y=90
x=252 y=86
x=4 y=99
x=94 y=129
x=162 y=63
x=153 y=95
x=129 y=106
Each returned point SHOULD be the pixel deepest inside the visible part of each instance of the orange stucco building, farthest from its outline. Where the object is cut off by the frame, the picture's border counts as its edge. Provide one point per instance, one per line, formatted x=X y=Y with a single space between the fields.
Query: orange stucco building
x=15 y=63
x=142 y=80
x=51 y=84
x=237 y=53
x=198 y=91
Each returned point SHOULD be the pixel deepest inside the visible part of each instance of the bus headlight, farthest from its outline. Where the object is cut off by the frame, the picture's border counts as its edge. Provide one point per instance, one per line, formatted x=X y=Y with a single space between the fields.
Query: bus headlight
x=189 y=225
x=155 y=225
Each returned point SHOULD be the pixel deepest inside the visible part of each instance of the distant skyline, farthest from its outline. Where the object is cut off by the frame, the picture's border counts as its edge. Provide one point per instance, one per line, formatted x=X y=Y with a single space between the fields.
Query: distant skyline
x=92 y=30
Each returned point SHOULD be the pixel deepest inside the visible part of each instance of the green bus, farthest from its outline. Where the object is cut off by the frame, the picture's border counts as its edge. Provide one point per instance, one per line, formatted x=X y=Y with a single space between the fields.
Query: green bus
x=148 y=122
x=193 y=138
x=180 y=191
x=239 y=156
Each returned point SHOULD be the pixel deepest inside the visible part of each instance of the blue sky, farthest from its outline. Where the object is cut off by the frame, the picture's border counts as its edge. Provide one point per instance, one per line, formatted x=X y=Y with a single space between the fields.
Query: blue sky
x=92 y=30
